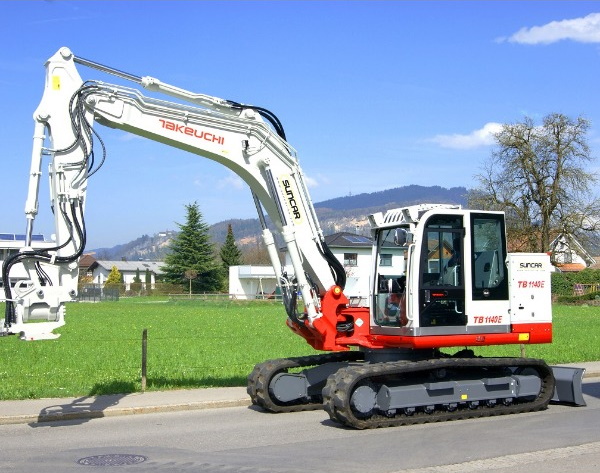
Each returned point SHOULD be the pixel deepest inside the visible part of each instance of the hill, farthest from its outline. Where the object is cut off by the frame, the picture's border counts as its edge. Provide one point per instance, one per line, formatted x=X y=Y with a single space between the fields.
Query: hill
x=398 y=197
x=341 y=214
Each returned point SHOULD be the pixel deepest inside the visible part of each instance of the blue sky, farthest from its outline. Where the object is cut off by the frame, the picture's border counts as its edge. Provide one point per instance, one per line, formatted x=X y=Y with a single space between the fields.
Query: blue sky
x=373 y=95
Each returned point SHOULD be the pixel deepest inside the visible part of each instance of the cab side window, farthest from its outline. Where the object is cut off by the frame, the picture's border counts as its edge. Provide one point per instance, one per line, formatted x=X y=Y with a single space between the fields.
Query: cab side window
x=488 y=258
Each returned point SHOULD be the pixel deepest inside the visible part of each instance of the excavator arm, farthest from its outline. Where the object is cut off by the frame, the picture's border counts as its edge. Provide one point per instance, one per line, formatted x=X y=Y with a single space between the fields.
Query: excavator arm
x=235 y=135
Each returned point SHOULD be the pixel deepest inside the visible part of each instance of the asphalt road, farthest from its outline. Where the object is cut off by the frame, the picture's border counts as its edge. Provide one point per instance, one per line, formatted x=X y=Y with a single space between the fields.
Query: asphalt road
x=243 y=439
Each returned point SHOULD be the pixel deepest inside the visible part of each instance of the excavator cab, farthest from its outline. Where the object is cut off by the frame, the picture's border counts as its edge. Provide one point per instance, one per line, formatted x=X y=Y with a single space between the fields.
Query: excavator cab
x=445 y=269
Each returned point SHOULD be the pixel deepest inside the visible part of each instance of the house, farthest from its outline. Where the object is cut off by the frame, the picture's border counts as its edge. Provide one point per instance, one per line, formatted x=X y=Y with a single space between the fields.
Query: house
x=568 y=255
x=252 y=281
x=353 y=251
x=100 y=269
x=85 y=262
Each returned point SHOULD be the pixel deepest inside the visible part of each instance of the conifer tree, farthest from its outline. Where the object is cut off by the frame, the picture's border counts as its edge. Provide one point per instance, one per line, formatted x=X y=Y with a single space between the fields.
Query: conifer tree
x=114 y=283
x=230 y=253
x=192 y=249
x=136 y=284
x=113 y=278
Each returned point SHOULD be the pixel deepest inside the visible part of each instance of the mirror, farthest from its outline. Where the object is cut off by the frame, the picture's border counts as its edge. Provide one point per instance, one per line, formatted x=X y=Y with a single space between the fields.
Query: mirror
x=400 y=237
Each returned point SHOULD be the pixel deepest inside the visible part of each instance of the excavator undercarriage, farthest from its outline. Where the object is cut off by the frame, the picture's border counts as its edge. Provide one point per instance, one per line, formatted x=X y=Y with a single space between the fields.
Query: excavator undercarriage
x=358 y=390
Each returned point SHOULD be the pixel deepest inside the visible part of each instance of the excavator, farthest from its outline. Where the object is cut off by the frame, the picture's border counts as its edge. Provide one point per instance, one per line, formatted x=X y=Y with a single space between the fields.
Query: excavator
x=440 y=276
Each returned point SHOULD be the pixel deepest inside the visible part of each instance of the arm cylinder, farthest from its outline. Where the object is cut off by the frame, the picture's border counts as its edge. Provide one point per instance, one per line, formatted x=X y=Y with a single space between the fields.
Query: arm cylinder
x=31 y=204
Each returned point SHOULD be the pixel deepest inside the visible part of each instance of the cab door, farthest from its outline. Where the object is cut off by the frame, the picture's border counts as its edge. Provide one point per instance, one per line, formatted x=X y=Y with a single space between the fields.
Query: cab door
x=441 y=279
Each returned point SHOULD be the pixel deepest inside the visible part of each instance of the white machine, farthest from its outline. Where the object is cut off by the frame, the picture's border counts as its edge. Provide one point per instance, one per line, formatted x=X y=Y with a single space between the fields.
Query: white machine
x=440 y=275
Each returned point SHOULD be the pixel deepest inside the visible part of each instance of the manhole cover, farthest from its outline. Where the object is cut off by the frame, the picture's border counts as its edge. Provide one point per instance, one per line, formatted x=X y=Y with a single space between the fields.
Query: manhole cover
x=113 y=459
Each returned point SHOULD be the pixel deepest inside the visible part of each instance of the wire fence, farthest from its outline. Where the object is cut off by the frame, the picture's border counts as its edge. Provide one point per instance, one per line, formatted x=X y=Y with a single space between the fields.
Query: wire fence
x=100 y=292
x=97 y=293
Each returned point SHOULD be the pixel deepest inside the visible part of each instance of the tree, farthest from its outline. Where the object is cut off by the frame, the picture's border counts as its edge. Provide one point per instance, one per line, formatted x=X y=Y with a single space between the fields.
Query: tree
x=136 y=284
x=230 y=253
x=148 y=281
x=537 y=176
x=114 y=282
x=114 y=277
x=256 y=254
x=192 y=249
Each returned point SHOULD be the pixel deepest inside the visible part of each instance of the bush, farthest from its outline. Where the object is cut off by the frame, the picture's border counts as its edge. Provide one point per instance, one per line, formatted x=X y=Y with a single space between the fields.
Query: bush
x=592 y=296
x=163 y=288
x=562 y=283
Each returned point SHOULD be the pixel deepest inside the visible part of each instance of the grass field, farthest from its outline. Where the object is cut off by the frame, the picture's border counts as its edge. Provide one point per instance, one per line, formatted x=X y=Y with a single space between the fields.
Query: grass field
x=195 y=344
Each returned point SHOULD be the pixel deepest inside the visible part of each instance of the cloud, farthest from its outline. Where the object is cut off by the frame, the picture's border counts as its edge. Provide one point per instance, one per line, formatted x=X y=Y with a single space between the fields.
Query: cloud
x=126 y=137
x=231 y=181
x=482 y=137
x=310 y=181
x=582 y=30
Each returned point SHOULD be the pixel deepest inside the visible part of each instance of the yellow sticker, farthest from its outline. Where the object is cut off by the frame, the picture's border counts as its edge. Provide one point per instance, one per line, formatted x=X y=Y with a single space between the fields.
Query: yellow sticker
x=523 y=337
x=55 y=82
x=291 y=197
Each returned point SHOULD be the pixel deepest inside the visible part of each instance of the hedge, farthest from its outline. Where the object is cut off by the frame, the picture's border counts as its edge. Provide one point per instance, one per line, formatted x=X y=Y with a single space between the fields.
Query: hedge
x=562 y=283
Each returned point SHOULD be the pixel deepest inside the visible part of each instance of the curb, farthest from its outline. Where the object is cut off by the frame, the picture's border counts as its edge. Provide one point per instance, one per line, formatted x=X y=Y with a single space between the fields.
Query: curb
x=115 y=410
x=120 y=411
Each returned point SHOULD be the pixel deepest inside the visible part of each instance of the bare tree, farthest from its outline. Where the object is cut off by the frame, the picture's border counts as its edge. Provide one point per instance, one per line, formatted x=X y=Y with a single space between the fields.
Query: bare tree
x=538 y=176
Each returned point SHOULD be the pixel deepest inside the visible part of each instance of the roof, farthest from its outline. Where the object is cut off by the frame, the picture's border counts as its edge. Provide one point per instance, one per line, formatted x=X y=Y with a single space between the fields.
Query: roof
x=348 y=240
x=570 y=267
x=86 y=261
x=131 y=266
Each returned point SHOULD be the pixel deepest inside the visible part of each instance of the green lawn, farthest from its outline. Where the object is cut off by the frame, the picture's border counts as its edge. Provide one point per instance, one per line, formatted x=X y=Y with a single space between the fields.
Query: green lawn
x=201 y=344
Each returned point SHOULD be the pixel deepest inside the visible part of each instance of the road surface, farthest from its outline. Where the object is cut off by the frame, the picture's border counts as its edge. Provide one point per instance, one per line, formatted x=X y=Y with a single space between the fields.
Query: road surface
x=242 y=439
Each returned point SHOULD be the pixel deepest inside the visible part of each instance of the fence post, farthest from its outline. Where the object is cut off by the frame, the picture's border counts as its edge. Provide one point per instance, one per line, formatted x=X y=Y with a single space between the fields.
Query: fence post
x=144 y=357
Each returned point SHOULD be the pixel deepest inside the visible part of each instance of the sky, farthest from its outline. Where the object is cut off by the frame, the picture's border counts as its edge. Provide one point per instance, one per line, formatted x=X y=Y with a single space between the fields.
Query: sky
x=372 y=95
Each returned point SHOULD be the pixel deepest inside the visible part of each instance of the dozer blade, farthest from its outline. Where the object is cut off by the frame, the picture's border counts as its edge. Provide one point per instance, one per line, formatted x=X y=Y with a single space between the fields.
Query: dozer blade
x=568 y=386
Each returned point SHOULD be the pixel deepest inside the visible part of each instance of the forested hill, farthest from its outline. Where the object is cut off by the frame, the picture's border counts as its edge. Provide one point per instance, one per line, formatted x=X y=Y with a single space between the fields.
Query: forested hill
x=347 y=213
x=401 y=196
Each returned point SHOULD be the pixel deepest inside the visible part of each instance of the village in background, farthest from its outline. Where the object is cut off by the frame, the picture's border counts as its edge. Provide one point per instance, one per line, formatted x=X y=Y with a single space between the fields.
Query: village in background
x=344 y=222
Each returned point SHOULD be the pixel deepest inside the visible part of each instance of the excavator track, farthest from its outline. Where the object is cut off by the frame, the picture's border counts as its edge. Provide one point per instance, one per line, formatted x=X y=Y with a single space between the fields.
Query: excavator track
x=340 y=386
x=260 y=380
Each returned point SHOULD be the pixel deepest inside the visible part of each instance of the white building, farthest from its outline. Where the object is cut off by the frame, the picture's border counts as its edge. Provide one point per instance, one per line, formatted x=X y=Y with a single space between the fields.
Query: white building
x=252 y=281
x=100 y=269
x=569 y=255
x=353 y=251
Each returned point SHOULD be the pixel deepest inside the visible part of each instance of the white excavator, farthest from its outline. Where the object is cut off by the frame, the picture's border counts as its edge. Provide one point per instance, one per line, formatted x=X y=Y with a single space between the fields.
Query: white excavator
x=440 y=275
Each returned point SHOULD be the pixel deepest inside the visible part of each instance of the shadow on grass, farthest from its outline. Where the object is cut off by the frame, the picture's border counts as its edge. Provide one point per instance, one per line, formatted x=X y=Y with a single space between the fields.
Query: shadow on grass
x=163 y=383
